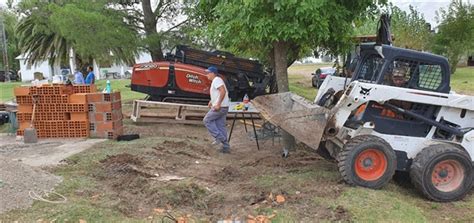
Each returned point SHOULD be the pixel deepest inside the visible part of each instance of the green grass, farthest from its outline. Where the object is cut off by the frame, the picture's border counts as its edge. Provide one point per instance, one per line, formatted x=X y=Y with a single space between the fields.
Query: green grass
x=295 y=179
x=6 y=90
x=307 y=68
x=367 y=205
x=463 y=80
x=300 y=86
x=5 y=128
x=121 y=85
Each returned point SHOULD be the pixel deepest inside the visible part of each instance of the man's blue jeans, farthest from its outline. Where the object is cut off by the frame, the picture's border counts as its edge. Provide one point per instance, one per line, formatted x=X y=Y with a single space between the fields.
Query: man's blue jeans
x=215 y=122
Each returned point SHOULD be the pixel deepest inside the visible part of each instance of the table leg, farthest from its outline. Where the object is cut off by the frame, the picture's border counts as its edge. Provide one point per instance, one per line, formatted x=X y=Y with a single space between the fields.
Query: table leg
x=254 y=131
x=245 y=124
x=232 y=127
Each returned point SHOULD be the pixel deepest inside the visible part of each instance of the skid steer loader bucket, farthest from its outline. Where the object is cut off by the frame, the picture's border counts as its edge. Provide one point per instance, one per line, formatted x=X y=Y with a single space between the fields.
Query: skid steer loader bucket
x=294 y=114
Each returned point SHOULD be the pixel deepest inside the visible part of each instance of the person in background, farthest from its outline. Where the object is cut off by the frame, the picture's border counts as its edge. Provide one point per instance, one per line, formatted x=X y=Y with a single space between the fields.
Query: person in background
x=90 y=79
x=215 y=119
x=78 y=77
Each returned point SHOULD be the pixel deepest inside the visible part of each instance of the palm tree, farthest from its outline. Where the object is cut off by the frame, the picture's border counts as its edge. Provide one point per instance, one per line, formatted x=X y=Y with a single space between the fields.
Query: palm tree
x=39 y=42
x=41 y=39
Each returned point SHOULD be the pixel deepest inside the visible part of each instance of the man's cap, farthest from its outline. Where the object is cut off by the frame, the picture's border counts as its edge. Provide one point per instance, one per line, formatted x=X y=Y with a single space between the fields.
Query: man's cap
x=212 y=69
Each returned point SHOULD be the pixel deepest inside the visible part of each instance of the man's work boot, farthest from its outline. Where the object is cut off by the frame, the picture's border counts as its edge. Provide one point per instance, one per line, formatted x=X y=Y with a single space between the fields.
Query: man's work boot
x=225 y=147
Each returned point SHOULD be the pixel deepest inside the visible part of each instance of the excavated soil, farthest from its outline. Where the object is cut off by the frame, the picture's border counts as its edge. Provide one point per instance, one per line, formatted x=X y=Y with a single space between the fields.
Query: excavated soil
x=185 y=173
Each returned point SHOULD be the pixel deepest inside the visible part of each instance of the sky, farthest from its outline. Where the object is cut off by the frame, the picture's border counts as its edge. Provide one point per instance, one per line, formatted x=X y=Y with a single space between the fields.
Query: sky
x=426 y=7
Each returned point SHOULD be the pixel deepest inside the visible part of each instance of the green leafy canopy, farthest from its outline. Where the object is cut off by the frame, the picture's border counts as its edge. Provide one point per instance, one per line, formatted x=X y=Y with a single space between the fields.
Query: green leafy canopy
x=95 y=33
x=249 y=24
x=455 y=36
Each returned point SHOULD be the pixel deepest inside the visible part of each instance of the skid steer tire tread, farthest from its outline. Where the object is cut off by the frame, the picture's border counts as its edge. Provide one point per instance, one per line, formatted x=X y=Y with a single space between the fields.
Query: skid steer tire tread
x=421 y=169
x=348 y=154
x=326 y=97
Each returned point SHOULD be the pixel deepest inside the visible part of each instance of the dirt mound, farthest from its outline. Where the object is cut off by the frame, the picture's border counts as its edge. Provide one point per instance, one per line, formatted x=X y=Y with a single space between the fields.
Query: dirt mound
x=123 y=164
x=172 y=144
x=228 y=174
x=182 y=148
x=123 y=158
x=214 y=186
x=136 y=180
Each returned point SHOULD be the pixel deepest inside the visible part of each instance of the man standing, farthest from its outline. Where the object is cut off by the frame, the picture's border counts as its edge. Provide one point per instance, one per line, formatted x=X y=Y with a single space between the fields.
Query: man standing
x=90 y=79
x=78 y=77
x=215 y=119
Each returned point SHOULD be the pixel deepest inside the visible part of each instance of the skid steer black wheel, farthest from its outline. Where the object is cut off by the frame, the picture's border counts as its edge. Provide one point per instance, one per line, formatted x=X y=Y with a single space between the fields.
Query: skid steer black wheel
x=327 y=98
x=442 y=172
x=367 y=161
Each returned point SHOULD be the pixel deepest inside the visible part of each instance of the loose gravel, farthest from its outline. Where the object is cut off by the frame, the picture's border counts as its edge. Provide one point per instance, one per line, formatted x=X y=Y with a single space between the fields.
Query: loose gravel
x=18 y=179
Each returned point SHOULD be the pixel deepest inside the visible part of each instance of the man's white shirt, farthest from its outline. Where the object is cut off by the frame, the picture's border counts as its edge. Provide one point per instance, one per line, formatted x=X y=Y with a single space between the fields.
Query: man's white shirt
x=215 y=94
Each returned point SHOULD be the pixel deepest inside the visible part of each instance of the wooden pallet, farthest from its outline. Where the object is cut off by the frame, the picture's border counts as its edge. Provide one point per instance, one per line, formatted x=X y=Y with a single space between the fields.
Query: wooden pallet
x=166 y=112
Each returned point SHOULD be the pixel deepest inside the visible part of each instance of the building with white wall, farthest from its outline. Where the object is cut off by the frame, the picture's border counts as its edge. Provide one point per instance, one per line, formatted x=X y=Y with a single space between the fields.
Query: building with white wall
x=27 y=71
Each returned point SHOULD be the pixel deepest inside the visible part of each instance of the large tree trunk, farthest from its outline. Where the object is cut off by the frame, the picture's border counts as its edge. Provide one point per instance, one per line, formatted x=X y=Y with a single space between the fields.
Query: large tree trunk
x=153 y=41
x=280 y=48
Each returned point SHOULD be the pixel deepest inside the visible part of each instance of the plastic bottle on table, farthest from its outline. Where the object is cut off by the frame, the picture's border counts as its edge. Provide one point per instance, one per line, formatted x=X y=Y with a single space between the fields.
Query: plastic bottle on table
x=246 y=102
x=108 y=88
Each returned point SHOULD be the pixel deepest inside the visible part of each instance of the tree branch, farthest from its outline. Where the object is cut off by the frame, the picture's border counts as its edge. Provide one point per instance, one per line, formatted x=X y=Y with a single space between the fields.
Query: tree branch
x=174 y=27
x=161 y=8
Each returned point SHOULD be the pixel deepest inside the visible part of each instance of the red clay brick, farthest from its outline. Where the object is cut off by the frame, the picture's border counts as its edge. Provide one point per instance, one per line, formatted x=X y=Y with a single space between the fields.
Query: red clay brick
x=19 y=132
x=117 y=115
x=80 y=98
x=21 y=91
x=79 y=117
x=23 y=117
x=23 y=125
x=77 y=108
x=24 y=100
x=107 y=134
x=117 y=105
x=96 y=117
x=95 y=97
x=82 y=88
x=103 y=107
x=25 y=108
x=108 y=126
x=112 y=97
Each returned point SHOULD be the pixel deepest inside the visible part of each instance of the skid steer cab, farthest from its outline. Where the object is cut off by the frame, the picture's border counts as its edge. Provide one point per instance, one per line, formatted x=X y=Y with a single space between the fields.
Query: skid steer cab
x=395 y=113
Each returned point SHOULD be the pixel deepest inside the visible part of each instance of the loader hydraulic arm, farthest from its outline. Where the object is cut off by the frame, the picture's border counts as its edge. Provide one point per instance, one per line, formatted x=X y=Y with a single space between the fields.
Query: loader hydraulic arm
x=442 y=126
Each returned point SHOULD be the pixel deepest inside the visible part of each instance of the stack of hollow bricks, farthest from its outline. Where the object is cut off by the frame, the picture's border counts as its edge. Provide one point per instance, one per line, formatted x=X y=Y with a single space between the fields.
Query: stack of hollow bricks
x=61 y=111
x=105 y=115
